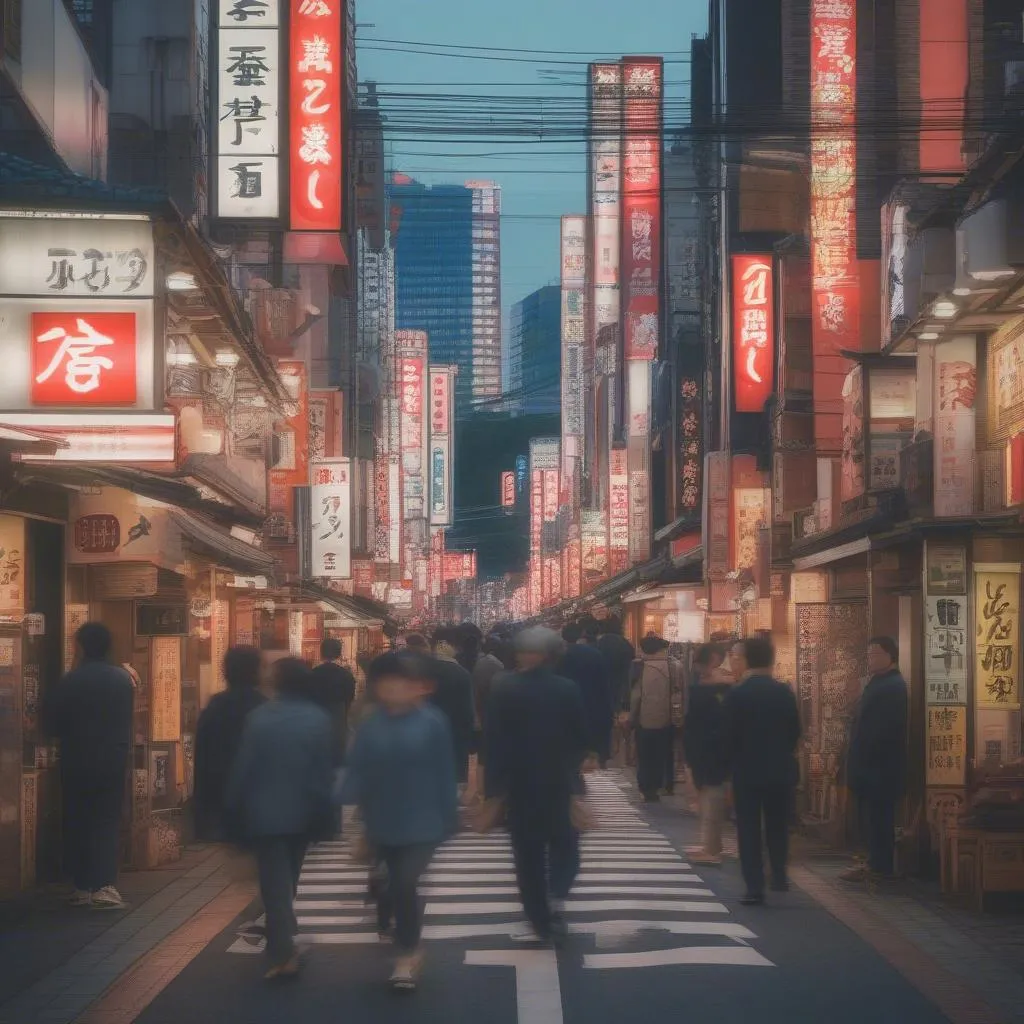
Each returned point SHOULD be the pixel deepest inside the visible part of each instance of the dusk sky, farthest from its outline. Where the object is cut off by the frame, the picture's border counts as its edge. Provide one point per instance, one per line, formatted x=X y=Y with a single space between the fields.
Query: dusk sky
x=541 y=178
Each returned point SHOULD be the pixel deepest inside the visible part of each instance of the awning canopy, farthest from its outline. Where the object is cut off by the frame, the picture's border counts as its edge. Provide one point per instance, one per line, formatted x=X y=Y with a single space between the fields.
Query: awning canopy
x=219 y=546
x=367 y=612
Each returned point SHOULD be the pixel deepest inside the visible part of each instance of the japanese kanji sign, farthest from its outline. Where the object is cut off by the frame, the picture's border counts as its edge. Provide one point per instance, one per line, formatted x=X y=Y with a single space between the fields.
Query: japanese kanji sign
x=947 y=746
x=641 y=208
x=315 y=70
x=331 y=514
x=618 y=510
x=248 y=108
x=956 y=386
x=81 y=358
x=441 y=410
x=508 y=489
x=997 y=636
x=753 y=332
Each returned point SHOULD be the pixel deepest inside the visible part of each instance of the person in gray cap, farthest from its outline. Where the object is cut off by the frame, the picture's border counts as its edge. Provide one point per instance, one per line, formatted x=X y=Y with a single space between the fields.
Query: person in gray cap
x=536 y=739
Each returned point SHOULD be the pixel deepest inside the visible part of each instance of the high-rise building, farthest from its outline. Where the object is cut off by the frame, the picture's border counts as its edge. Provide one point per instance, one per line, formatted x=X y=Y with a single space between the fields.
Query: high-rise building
x=486 y=290
x=434 y=251
x=535 y=352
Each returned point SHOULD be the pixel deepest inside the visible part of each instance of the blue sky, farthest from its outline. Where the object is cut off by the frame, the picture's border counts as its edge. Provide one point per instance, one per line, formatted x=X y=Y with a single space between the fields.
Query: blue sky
x=541 y=179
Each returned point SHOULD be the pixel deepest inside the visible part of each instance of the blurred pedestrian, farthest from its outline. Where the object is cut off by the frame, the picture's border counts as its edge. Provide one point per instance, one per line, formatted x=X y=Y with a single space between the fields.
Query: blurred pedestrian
x=469 y=643
x=453 y=695
x=334 y=689
x=657 y=683
x=706 y=743
x=736 y=663
x=281 y=792
x=90 y=713
x=486 y=670
x=417 y=642
x=402 y=776
x=620 y=655
x=536 y=741
x=764 y=729
x=218 y=736
x=877 y=762
x=584 y=664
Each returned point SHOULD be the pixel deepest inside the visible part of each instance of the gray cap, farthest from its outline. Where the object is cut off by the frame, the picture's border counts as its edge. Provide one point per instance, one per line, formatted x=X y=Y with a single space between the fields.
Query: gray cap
x=539 y=640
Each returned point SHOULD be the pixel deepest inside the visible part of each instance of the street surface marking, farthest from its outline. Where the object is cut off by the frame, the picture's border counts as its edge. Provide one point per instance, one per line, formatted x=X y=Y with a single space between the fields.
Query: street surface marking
x=538 y=995
x=721 y=956
x=573 y=906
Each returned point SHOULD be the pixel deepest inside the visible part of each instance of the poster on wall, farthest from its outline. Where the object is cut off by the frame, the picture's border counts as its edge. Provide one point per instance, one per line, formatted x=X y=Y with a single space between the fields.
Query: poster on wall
x=945 y=667
x=997 y=636
x=331 y=515
x=956 y=383
x=946 y=571
x=165 y=689
x=12 y=567
x=947 y=746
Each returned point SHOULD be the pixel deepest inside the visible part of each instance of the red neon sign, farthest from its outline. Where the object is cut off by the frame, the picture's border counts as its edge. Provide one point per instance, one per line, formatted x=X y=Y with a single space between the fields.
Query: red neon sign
x=316 y=68
x=753 y=331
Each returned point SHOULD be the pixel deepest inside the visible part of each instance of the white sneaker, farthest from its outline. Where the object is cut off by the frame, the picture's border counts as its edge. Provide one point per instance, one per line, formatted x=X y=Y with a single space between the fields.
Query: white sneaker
x=79 y=898
x=525 y=932
x=107 y=898
x=406 y=973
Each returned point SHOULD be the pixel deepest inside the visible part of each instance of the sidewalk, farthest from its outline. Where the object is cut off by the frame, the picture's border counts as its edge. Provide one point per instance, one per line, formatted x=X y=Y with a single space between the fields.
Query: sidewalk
x=58 y=960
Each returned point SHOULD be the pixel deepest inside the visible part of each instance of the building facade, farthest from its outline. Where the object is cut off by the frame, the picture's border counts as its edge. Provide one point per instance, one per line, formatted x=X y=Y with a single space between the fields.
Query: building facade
x=535 y=352
x=487 y=341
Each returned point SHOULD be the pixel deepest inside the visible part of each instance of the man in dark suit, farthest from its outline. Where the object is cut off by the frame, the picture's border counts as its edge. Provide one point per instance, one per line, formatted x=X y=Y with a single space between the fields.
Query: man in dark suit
x=536 y=738
x=877 y=764
x=763 y=725
x=586 y=667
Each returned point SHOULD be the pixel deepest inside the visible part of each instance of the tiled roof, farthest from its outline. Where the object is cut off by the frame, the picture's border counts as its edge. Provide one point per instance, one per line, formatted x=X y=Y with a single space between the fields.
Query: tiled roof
x=20 y=177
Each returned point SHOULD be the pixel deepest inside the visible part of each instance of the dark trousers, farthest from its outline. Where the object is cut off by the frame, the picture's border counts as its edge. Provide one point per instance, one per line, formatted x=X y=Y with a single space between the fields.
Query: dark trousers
x=878 y=814
x=398 y=897
x=772 y=802
x=653 y=755
x=279 y=860
x=547 y=860
x=92 y=825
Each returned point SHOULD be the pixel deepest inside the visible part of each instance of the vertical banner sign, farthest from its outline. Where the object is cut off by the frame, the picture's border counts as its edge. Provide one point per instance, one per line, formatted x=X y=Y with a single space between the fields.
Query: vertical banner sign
x=689 y=413
x=835 y=285
x=412 y=371
x=753 y=331
x=440 y=465
x=508 y=489
x=248 y=109
x=315 y=110
x=956 y=384
x=716 y=520
x=997 y=636
x=292 y=467
x=573 y=375
x=331 y=516
x=947 y=746
x=641 y=200
x=618 y=511
x=536 y=535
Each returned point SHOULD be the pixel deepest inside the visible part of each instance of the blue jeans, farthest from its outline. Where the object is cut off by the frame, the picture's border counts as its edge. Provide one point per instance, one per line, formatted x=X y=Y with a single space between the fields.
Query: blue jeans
x=279 y=859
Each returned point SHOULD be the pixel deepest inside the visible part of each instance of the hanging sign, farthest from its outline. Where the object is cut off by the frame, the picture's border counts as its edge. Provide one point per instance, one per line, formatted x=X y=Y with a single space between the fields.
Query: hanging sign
x=753 y=309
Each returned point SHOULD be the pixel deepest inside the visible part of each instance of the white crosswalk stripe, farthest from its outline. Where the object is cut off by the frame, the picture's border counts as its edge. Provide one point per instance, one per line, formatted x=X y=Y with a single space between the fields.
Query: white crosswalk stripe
x=631 y=883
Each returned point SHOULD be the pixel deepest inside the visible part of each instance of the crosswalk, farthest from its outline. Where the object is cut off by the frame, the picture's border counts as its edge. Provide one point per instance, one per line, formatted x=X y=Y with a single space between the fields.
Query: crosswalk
x=633 y=890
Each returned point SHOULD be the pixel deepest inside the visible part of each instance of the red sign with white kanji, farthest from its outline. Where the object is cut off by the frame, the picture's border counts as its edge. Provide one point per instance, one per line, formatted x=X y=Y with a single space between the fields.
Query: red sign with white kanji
x=83 y=359
x=753 y=342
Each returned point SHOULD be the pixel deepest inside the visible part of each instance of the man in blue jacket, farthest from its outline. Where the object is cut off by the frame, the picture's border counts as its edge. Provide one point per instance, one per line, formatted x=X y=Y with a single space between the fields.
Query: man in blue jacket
x=877 y=764
x=763 y=725
x=586 y=667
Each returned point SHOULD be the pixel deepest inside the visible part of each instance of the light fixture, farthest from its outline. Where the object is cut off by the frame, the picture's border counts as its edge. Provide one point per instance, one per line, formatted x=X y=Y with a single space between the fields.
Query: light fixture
x=181 y=281
x=928 y=336
x=226 y=357
x=944 y=309
x=180 y=357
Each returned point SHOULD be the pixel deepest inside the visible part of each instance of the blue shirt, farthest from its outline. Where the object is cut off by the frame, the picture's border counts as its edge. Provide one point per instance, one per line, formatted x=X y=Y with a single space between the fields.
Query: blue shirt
x=401 y=773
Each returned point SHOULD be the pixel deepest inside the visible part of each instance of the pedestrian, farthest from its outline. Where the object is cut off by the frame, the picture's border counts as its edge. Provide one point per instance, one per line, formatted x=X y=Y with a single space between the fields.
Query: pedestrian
x=334 y=689
x=877 y=763
x=470 y=641
x=584 y=664
x=89 y=711
x=486 y=670
x=417 y=642
x=657 y=683
x=453 y=695
x=764 y=728
x=736 y=663
x=280 y=791
x=402 y=776
x=620 y=655
x=536 y=740
x=218 y=736
x=706 y=744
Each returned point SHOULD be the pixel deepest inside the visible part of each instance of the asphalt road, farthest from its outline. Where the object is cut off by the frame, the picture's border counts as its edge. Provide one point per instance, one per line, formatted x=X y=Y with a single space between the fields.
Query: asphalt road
x=650 y=936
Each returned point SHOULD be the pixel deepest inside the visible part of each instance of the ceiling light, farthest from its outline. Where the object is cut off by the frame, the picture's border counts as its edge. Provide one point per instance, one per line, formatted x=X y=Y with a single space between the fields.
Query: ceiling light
x=181 y=281
x=945 y=309
x=180 y=358
x=928 y=336
x=961 y=291
x=226 y=357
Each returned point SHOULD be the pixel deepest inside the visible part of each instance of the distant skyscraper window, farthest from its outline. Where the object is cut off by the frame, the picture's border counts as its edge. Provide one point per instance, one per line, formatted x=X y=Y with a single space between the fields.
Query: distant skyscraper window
x=535 y=352
x=83 y=11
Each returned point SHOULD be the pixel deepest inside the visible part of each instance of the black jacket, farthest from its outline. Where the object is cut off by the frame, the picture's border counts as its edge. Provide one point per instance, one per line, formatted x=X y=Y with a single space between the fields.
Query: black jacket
x=764 y=728
x=334 y=689
x=453 y=694
x=90 y=712
x=218 y=735
x=878 y=739
x=588 y=669
x=705 y=733
x=536 y=740
x=620 y=654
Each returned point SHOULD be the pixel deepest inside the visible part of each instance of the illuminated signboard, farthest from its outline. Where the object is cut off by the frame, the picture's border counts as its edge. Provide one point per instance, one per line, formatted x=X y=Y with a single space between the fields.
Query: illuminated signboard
x=835 y=286
x=316 y=66
x=508 y=489
x=618 y=513
x=641 y=207
x=248 y=109
x=690 y=463
x=573 y=325
x=441 y=413
x=331 y=515
x=412 y=371
x=753 y=333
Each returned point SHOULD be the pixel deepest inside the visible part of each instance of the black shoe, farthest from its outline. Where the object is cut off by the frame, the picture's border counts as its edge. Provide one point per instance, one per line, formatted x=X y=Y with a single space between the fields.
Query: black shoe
x=780 y=885
x=752 y=899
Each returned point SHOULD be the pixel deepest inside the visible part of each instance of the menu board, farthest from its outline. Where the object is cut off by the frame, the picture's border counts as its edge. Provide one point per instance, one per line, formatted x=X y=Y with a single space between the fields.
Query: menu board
x=165 y=687
x=947 y=746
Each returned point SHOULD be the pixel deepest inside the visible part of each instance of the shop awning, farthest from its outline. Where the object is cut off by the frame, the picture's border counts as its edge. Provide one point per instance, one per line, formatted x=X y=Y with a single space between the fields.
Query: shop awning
x=16 y=441
x=362 y=609
x=221 y=548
